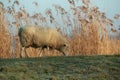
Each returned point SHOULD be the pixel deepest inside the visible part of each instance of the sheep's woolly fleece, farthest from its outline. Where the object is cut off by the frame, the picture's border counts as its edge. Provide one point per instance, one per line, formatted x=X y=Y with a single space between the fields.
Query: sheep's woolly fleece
x=38 y=36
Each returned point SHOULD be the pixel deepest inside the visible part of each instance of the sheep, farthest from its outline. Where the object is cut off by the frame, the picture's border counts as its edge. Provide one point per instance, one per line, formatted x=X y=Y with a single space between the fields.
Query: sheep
x=42 y=37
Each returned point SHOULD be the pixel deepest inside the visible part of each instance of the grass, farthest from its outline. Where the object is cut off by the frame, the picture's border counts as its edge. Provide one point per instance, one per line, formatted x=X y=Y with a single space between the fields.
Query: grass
x=61 y=68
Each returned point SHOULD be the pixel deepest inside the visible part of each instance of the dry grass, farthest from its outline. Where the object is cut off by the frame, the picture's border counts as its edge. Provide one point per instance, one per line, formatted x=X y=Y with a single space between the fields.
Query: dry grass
x=5 y=40
x=88 y=29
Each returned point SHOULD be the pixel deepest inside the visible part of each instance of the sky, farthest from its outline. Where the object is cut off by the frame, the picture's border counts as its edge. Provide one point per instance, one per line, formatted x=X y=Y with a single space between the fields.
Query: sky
x=109 y=6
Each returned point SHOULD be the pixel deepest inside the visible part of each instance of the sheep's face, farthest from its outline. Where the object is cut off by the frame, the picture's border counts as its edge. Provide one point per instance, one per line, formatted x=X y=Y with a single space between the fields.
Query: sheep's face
x=65 y=49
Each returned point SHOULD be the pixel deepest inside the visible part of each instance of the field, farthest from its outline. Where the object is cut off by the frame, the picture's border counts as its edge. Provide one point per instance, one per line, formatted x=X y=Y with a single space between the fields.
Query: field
x=87 y=29
x=61 y=68
x=93 y=37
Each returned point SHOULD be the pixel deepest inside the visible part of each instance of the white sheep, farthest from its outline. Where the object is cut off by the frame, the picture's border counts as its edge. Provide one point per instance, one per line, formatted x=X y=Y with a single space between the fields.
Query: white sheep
x=42 y=37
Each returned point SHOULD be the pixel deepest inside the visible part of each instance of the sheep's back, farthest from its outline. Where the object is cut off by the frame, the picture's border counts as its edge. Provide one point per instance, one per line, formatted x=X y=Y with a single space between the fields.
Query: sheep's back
x=40 y=36
x=48 y=36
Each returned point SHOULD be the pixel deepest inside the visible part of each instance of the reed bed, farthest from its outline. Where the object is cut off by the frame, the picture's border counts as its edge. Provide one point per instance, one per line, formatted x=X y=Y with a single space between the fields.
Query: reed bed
x=86 y=28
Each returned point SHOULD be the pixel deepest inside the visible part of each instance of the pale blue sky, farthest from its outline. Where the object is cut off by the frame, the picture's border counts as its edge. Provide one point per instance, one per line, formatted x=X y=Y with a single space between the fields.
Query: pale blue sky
x=111 y=7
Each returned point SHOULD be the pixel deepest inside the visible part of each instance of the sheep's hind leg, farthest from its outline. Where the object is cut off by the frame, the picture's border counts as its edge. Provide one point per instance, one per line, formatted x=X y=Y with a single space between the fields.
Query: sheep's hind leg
x=26 y=52
x=22 y=51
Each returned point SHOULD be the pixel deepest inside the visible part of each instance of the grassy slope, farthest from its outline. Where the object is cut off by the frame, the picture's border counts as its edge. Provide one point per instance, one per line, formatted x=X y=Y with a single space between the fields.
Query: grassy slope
x=61 y=68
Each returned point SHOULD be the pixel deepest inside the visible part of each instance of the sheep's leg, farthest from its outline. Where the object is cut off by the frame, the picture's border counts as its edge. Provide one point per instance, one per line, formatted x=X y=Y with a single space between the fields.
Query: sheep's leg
x=26 y=52
x=21 y=52
x=40 y=53
x=48 y=51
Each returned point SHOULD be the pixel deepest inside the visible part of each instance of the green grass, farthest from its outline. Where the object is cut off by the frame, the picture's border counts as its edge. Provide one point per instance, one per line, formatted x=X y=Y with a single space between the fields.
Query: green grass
x=61 y=68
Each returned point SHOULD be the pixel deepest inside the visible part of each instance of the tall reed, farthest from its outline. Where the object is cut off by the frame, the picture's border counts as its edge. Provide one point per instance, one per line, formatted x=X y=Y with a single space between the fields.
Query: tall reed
x=86 y=28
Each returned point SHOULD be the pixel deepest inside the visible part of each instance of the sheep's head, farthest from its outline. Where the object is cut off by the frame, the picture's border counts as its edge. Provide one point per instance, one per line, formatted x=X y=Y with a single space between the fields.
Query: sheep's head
x=65 y=49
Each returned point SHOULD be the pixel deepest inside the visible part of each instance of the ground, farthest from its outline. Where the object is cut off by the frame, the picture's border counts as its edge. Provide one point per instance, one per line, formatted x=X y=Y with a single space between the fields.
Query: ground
x=61 y=68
